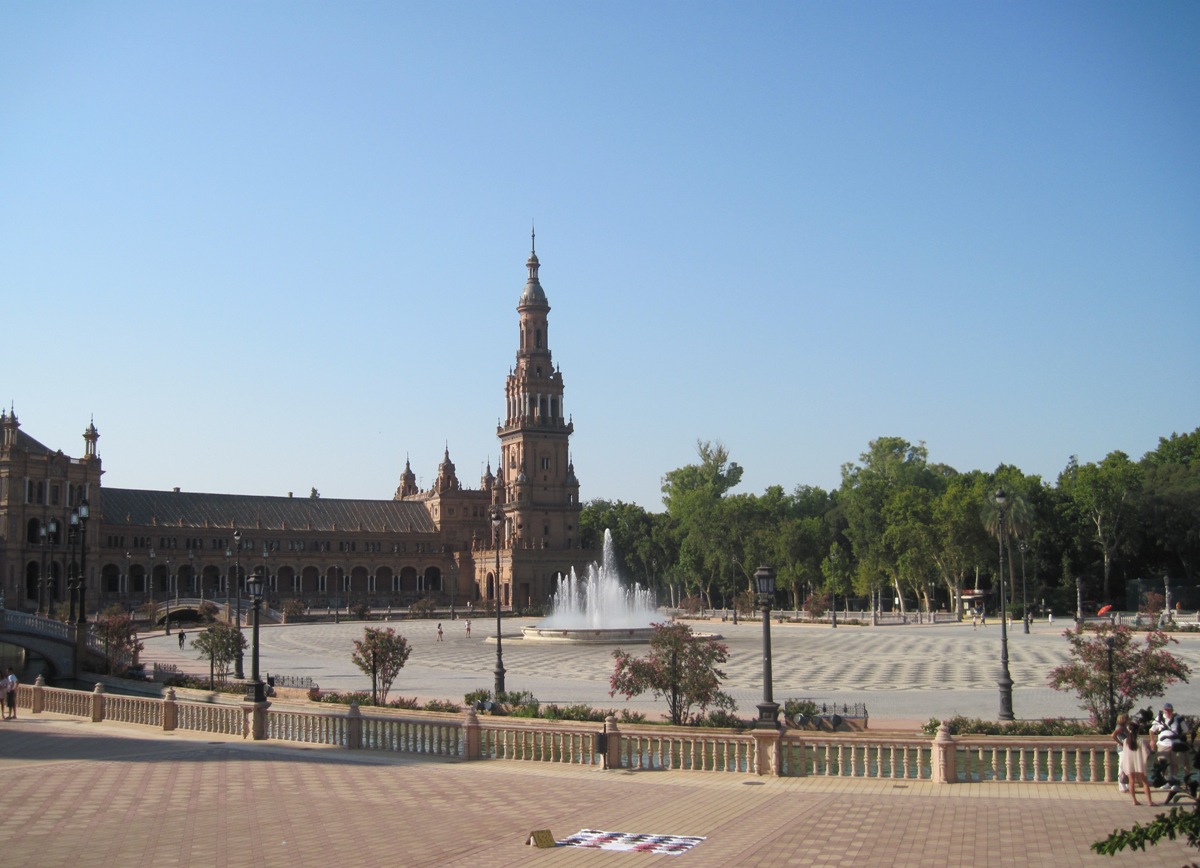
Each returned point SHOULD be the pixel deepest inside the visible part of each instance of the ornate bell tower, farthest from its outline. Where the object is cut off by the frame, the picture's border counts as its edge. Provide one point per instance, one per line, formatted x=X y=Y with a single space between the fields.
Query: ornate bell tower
x=536 y=486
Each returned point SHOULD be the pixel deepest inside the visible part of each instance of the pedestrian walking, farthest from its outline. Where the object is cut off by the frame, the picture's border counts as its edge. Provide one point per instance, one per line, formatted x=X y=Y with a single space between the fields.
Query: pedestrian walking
x=182 y=637
x=10 y=699
x=439 y=632
x=468 y=628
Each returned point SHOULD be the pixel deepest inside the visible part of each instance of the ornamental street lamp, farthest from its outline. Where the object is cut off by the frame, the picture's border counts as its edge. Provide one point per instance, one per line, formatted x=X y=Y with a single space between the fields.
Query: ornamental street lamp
x=1111 y=642
x=497 y=524
x=1005 y=680
x=84 y=514
x=1023 y=545
x=73 y=536
x=167 y=589
x=150 y=583
x=254 y=586
x=192 y=573
x=239 y=663
x=734 y=585
x=768 y=709
x=128 y=559
x=48 y=534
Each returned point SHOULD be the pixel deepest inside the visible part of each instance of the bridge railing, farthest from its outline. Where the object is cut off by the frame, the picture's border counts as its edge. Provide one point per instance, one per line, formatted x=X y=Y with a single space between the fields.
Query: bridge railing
x=792 y=753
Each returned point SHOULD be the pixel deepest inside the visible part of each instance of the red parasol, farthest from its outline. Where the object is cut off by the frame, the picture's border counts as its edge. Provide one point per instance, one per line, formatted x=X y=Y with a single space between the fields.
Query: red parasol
x=1104 y=610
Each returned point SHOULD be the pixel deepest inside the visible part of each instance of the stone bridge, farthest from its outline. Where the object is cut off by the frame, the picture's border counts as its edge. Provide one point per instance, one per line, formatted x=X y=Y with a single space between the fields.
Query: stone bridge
x=64 y=646
x=222 y=610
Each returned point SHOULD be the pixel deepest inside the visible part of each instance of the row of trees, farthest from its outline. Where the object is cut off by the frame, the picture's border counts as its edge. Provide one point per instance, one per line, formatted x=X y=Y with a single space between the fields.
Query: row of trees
x=904 y=525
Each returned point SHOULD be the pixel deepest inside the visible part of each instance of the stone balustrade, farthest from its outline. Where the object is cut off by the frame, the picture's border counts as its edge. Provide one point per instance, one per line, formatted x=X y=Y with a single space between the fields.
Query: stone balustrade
x=945 y=759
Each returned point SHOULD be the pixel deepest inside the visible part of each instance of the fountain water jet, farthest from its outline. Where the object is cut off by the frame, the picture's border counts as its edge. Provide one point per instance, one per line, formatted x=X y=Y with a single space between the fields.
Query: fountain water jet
x=597 y=608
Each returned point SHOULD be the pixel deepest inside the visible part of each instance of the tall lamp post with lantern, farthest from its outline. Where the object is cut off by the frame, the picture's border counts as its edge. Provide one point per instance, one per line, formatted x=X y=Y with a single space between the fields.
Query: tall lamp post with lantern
x=1005 y=680
x=254 y=587
x=84 y=512
x=497 y=525
x=768 y=709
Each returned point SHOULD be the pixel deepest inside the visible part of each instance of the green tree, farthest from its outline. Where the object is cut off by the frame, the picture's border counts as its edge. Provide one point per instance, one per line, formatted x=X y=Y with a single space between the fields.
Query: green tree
x=118 y=632
x=220 y=643
x=705 y=525
x=1138 y=669
x=381 y=653
x=681 y=666
x=959 y=542
x=1104 y=498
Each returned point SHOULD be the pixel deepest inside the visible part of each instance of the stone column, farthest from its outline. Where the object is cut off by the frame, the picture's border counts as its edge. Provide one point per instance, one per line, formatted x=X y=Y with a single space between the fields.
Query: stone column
x=945 y=770
x=255 y=720
x=354 y=727
x=170 y=711
x=612 y=752
x=38 y=704
x=98 y=703
x=767 y=754
x=472 y=740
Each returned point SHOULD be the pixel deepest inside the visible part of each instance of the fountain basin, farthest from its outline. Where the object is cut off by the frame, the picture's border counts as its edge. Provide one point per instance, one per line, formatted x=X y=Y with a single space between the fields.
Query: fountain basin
x=587 y=635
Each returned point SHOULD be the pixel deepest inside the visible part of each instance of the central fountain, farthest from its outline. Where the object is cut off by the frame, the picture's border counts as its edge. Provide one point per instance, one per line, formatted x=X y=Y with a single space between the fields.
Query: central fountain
x=597 y=608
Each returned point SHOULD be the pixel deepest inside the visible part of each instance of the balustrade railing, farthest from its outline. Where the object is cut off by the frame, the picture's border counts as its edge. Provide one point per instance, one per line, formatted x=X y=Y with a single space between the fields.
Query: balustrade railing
x=539 y=742
x=1025 y=759
x=791 y=753
x=676 y=750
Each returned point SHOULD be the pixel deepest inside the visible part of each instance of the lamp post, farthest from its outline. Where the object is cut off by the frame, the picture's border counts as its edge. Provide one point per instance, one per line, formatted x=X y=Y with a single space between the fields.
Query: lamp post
x=497 y=525
x=1005 y=680
x=168 y=594
x=734 y=584
x=1078 y=604
x=150 y=583
x=128 y=590
x=85 y=513
x=48 y=533
x=1111 y=642
x=192 y=573
x=1023 y=545
x=73 y=536
x=266 y=573
x=225 y=589
x=768 y=709
x=239 y=663
x=254 y=587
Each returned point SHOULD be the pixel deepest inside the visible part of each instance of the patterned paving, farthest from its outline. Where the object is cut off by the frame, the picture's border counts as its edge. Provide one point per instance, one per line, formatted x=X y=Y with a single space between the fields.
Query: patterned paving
x=76 y=793
x=908 y=672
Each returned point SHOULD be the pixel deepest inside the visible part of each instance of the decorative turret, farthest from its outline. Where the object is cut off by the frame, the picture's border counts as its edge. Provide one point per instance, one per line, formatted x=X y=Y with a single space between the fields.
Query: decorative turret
x=8 y=430
x=408 y=482
x=488 y=481
x=90 y=436
x=447 y=480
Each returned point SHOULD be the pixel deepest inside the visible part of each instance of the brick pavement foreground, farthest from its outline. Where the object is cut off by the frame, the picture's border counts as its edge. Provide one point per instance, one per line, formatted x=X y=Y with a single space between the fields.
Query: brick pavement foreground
x=77 y=793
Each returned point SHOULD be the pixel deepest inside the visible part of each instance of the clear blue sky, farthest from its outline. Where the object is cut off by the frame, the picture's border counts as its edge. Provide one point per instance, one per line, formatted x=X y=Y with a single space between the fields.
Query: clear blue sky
x=270 y=246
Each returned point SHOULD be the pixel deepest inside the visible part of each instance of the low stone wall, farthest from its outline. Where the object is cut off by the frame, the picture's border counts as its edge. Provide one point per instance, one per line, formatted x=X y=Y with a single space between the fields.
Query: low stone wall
x=945 y=759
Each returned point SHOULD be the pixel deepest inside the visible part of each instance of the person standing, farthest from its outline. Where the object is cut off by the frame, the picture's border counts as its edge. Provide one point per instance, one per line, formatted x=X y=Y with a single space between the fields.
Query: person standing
x=1170 y=731
x=439 y=638
x=1133 y=757
x=468 y=628
x=1120 y=735
x=10 y=699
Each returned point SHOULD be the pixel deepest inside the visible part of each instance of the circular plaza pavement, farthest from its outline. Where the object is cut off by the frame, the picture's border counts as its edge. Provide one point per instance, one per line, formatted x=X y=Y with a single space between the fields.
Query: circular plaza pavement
x=904 y=674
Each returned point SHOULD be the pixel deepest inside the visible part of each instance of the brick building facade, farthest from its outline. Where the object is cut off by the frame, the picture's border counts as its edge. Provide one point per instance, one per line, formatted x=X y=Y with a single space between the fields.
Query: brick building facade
x=139 y=545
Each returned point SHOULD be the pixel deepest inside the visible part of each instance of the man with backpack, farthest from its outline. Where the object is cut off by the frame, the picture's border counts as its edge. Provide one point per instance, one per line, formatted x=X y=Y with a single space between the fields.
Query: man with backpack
x=1170 y=732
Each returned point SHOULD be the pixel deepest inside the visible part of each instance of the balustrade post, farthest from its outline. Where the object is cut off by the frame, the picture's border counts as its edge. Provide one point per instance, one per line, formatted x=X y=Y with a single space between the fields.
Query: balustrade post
x=354 y=727
x=472 y=740
x=170 y=711
x=768 y=757
x=98 y=703
x=945 y=757
x=612 y=747
x=38 y=704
